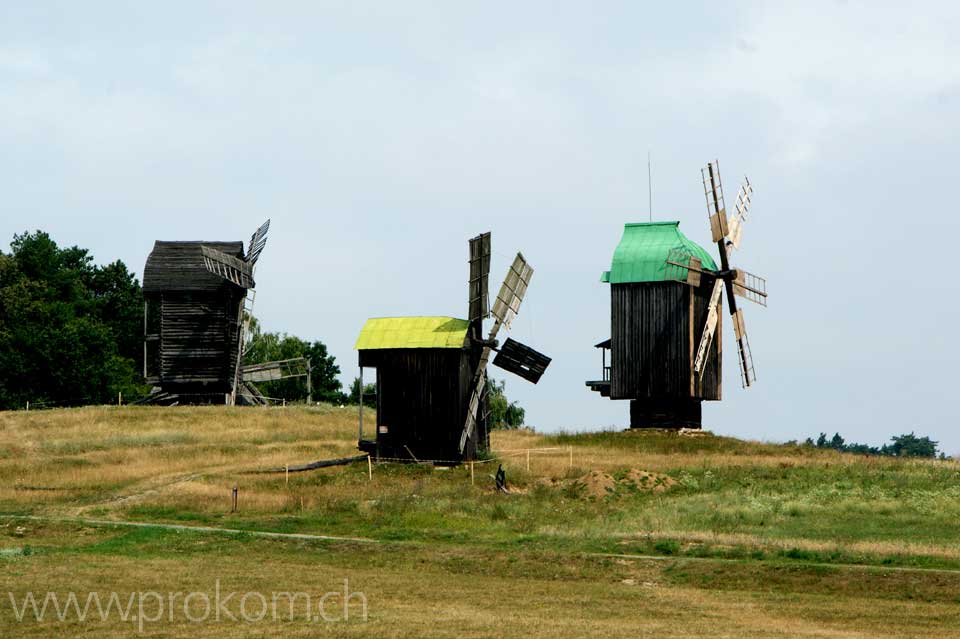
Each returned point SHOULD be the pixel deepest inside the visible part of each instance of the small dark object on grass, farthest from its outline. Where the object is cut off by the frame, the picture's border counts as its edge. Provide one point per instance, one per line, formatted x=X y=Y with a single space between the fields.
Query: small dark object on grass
x=501 y=479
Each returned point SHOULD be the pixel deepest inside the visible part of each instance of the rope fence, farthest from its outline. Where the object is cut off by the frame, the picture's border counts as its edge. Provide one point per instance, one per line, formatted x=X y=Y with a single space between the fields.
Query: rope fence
x=502 y=456
x=84 y=402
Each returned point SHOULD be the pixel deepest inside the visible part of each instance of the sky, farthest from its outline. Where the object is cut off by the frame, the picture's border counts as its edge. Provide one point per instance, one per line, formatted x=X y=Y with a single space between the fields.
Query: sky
x=380 y=136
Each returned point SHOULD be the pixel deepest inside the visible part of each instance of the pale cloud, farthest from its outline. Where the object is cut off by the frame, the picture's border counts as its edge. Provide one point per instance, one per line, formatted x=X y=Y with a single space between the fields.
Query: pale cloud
x=379 y=138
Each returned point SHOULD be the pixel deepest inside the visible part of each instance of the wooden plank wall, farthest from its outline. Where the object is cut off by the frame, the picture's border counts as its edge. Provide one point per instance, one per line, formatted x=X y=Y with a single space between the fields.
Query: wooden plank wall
x=651 y=342
x=422 y=397
x=198 y=341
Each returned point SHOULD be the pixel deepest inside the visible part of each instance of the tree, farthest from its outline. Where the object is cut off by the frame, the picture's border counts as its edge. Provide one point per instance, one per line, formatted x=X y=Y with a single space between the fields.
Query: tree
x=503 y=413
x=837 y=442
x=369 y=394
x=910 y=445
x=69 y=330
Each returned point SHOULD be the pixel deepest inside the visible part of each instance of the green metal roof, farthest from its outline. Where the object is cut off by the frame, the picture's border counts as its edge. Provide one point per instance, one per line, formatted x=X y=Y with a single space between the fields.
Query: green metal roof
x=412 y=332
x=643 y=250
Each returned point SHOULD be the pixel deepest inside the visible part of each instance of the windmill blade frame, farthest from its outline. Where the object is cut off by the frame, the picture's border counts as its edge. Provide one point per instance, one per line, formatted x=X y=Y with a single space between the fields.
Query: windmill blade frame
x=709 y=329
x=230 y=268
x=257 y=242
x=713 y=185
x=479 y=284
x=505 y=309
x=747 y=373
x=521 y=360
x=686 y=268
x=713 y=192
x=514 y=287
x=275 y=370
x=751 y=287
x=741 y=209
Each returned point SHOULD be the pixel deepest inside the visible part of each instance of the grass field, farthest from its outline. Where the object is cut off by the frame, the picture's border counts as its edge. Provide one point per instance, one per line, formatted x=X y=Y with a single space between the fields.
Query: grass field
x=624 y=534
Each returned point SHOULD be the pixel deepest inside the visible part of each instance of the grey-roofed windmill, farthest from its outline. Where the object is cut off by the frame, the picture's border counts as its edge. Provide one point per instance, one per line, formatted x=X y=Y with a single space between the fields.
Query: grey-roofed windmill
x=198 y=302
x=513 y=356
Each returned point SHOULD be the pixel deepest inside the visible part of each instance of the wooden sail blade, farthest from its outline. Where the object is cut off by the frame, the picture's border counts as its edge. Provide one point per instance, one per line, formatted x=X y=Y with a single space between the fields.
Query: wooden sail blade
x=681 y=266
x=713 y=191
x=745 y=359
x=709 y=329
x=521 y=360
x=751 y=287
x=479 y=293
x=228 y=267
x=257 y=241
x=271 y=371
x=741 y=209
x=514 y=287
x=476 y=394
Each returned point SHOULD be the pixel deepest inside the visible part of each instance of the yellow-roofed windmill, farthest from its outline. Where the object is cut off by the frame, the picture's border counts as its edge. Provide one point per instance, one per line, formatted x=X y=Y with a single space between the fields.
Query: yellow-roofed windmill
x=431 y=371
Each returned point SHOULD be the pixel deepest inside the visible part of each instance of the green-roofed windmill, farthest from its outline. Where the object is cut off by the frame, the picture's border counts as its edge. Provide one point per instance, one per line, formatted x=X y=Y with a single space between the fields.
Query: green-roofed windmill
x=431 y=371
x=666 y=297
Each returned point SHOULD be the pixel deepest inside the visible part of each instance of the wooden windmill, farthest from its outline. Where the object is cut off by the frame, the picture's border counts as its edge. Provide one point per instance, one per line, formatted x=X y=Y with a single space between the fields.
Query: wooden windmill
x=198 y=301
x=432 y=371
x=666 y=297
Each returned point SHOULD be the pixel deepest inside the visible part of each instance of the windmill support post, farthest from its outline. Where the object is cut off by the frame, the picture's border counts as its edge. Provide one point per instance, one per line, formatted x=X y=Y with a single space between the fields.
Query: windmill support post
x=360 y=406
x=309 y=382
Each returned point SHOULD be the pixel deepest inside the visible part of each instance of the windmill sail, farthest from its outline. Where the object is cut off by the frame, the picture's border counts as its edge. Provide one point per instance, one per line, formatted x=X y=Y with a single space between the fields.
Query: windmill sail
x=257 y=241
x=504 y=310
x=228 y=267
x=514 y=288
x=479 y=295
x=521 y=360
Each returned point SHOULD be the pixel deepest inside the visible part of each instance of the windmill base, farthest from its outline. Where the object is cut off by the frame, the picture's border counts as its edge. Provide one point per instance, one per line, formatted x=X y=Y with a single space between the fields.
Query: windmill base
x=665 y=413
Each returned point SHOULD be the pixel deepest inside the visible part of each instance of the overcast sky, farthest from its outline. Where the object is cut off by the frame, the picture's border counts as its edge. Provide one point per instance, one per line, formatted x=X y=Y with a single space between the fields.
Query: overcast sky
x=380 y=136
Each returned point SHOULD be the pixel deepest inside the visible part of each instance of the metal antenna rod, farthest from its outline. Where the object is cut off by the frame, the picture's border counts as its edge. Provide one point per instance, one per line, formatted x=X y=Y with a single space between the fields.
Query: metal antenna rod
x=649 y=188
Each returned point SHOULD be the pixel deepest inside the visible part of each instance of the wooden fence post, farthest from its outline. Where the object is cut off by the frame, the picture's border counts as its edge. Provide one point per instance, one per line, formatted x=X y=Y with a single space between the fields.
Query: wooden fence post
x=471 y=474
x=286 y=470
x=369 y=467
x=528 y=460
x=571 y=457
x=28 y=406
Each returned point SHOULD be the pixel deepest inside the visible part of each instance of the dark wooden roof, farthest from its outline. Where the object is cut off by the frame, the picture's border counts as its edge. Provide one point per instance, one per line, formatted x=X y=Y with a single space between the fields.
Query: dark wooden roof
x=178 y=266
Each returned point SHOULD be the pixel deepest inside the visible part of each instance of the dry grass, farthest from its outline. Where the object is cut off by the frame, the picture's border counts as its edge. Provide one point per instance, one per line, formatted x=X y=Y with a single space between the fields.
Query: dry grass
x=748 y=528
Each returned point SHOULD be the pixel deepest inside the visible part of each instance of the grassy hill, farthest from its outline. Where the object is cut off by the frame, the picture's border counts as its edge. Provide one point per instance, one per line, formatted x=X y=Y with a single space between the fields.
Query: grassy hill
x=614 y=534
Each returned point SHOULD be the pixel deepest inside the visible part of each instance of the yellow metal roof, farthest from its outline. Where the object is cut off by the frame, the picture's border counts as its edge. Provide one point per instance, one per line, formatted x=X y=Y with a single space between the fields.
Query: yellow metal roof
x=412 y=332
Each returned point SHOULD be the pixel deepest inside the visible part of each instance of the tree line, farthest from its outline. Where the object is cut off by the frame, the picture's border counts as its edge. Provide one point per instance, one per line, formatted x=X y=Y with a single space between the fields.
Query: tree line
x=907 y=445
x=71 y=334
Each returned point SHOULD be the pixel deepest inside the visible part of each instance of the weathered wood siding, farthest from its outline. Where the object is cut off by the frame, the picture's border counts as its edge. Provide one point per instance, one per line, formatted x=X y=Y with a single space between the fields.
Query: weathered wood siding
x=191 y=322
x=178 y=266
x=198 y=340
x=422 y=399
x=651 y=346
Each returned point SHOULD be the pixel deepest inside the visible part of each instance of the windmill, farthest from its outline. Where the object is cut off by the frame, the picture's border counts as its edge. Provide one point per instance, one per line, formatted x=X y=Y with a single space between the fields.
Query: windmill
x=513 y=357
x=666 y=296
x=198 y=300
x=726 y=233
x=431 y=371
